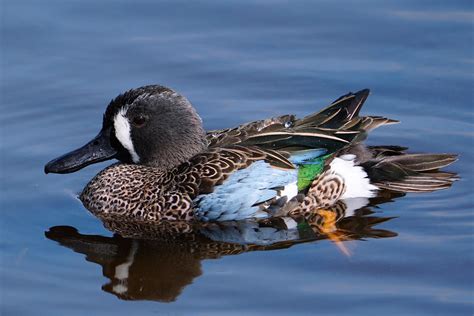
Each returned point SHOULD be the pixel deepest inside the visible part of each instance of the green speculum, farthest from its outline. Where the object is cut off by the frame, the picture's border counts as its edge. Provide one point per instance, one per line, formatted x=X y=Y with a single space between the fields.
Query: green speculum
x=309 y=170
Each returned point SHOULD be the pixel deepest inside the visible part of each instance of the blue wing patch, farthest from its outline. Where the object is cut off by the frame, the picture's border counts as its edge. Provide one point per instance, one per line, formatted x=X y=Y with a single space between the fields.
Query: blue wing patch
x=235 y=199
x=303 y=156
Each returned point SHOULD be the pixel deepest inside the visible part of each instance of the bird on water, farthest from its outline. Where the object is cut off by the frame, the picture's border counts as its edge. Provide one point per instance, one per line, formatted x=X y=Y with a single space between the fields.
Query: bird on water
x=170 y=168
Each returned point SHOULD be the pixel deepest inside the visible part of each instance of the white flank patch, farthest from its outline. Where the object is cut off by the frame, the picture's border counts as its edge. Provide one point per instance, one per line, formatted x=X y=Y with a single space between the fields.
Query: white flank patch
x=122 y=132
x=355 y=178
x=290 y=190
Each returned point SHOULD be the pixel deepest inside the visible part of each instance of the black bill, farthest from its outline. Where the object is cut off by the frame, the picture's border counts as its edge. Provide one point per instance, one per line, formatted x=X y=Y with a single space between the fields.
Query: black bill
x=97 y=150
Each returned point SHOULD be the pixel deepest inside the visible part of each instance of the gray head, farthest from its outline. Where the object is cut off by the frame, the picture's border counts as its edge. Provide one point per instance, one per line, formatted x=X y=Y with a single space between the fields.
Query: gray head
x=152 y=125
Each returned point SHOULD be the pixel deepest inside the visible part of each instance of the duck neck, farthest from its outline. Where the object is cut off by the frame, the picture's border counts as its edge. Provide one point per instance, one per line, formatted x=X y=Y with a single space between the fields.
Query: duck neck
x=172 y=155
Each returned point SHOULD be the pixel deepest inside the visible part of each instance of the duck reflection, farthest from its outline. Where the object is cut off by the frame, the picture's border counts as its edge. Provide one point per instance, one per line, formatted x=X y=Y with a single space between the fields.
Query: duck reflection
x=149 y=261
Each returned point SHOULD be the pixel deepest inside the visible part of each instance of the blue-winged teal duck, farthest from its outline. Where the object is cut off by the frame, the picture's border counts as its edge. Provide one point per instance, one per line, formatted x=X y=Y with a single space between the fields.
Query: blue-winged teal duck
x=172 y=169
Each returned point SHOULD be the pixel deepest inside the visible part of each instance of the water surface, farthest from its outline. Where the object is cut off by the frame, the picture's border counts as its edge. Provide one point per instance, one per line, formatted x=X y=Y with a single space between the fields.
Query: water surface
x=62 y=62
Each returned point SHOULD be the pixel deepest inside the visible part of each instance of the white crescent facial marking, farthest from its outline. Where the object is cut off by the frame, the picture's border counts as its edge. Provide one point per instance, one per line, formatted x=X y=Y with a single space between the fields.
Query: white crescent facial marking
x=122 y=132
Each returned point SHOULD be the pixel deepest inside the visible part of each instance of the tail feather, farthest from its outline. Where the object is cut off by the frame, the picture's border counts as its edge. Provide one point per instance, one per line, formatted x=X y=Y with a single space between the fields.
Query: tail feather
x=418 y=184
x=402 y=172
x=423 y=162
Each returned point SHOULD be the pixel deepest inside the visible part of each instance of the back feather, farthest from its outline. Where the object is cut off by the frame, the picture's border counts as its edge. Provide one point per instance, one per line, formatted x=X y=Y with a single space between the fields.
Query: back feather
x=332 y=128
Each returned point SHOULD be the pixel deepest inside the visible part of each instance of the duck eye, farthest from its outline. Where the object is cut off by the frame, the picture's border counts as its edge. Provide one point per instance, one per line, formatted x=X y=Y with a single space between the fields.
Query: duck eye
x=139 y=120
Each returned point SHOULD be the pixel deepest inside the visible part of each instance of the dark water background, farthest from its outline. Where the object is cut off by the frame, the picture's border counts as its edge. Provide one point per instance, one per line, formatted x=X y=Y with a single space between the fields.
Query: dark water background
x=62 y=61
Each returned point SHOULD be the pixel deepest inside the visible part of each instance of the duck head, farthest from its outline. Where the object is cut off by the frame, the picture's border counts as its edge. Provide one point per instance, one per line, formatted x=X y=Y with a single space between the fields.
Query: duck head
x=151 y=125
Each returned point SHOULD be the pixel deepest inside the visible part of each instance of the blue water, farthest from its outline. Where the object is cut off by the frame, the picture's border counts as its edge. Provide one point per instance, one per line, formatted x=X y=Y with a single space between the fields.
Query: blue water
x=236 y=61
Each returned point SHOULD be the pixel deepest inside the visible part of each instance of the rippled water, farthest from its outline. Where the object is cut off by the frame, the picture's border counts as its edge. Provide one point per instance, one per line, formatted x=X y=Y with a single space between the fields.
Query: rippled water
x=61 y=62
